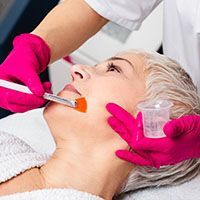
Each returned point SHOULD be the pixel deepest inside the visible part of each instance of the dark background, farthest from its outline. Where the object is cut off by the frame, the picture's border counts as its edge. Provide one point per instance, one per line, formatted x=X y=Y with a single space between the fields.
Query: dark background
x=20 y=16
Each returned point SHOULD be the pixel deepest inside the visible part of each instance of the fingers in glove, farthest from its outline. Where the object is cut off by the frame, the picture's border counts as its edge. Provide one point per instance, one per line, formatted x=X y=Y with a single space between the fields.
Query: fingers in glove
x=125 y=117
x=118 y=127
x=139 y=120
x=19 y=98
x=3 y=99
x=153 y=144
x=133 y=157
x=174 y=128
x=139 y=135
x=34 y=83
x=131 y=137
x=3 y=75
x=182 y=125
x=29 y=78
x=47 y=87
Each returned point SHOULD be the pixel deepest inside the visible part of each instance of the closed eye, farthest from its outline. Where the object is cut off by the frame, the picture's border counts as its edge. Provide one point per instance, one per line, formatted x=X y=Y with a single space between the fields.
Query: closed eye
x=111 y=67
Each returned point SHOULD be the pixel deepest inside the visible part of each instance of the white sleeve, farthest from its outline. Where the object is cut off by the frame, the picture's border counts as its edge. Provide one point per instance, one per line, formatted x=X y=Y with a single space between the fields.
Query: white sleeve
x=52 y=194
x=127 y=13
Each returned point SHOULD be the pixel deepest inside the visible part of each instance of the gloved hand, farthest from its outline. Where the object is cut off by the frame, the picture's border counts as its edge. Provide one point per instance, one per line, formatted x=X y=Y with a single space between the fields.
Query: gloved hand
x=29 y=57
x=21 y=102
x=182 y=141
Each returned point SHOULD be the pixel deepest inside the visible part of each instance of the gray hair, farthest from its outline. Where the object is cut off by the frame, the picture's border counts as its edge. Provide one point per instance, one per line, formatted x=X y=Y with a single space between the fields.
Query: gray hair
x=166 y=79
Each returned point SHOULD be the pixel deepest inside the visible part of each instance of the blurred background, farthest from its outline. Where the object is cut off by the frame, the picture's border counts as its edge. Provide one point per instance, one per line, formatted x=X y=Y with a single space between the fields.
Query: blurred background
x=22 y=16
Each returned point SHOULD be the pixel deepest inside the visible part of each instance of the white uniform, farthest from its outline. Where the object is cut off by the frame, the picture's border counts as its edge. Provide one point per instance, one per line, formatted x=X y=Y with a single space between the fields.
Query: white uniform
x=181 y=40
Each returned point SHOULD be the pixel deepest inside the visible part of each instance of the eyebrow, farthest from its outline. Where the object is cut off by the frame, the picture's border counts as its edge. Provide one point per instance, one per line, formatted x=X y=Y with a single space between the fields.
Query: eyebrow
x=118 y=58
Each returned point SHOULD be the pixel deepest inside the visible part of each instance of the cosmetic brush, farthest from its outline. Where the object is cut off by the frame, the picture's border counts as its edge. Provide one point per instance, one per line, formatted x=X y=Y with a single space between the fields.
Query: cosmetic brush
x=79 y=104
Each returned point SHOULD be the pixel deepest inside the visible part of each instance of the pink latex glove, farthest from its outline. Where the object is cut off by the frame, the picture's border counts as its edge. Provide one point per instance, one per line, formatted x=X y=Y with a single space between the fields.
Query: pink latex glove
x=21 y=101
x=29 y=57
x=182 y=141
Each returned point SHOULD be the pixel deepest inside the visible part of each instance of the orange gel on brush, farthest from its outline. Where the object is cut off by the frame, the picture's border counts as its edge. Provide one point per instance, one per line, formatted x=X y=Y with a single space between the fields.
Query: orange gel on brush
x=81 y=104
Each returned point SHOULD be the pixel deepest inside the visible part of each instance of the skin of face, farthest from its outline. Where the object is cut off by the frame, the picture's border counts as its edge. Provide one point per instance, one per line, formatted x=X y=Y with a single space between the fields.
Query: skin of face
x=120 y=80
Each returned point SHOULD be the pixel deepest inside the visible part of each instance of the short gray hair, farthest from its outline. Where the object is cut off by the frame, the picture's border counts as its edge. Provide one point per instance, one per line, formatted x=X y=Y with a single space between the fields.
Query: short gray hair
x=166 y=79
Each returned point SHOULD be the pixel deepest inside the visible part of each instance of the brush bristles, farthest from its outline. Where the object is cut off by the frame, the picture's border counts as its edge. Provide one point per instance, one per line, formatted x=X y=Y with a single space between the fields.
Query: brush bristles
x=81 y=104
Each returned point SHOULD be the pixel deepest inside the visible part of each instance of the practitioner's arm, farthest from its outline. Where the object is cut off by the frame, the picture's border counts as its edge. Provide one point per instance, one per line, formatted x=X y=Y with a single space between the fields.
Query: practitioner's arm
x=68 y=26
x=63 y=30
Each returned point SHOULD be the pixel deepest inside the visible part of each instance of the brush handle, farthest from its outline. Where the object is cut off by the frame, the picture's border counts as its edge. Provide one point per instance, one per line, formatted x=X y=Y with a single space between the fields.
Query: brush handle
x=15 y=86
x=58 y=99
x=47 y=96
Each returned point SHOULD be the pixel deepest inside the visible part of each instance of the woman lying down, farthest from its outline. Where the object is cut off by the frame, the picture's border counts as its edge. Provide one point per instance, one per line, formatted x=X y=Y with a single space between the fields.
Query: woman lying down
x=84 y=164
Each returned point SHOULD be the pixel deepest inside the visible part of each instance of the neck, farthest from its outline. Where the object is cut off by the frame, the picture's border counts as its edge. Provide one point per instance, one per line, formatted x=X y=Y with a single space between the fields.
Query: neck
x=88 y=165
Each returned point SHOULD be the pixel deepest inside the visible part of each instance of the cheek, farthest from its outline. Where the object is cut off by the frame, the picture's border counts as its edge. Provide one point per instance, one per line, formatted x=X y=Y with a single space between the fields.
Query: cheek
x=126 y=93
x=117 y=91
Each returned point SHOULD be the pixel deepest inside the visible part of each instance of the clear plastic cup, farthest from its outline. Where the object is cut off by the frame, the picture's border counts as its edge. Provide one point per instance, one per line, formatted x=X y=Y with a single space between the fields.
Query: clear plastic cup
x=155 y=115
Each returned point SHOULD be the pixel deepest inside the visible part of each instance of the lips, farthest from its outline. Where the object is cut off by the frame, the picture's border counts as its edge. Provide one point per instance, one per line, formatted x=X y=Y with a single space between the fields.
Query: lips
x=71 y=88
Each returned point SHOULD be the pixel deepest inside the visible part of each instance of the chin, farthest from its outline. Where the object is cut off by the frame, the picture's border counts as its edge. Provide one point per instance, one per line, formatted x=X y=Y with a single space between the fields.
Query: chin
x=56 y=110
x=59 y=112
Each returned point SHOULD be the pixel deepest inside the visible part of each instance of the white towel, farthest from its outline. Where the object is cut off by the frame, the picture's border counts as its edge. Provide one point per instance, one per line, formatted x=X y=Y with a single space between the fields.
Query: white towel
x=32 y=128
x=16 y=157
x=52 y=194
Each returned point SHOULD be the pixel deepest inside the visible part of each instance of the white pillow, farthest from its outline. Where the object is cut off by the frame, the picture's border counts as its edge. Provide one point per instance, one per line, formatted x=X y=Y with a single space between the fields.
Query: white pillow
x=32 y=128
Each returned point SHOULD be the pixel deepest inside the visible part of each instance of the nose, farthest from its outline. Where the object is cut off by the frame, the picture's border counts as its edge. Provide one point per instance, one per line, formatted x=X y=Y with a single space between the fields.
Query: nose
x=80 y=72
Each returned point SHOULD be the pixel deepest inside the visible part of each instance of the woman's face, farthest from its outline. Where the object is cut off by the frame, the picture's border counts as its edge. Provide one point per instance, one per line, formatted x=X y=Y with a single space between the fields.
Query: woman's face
x=119 y=79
